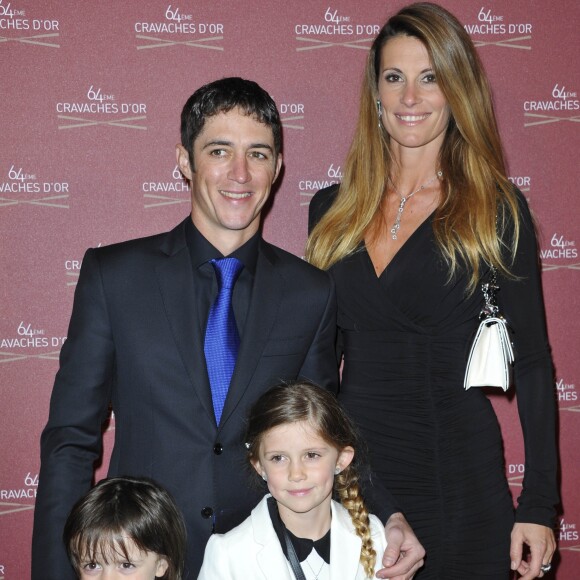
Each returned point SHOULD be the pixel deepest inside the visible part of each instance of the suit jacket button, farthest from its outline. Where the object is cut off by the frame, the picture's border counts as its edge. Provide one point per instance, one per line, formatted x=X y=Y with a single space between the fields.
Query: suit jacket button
x=217 y=448
x=206 y=512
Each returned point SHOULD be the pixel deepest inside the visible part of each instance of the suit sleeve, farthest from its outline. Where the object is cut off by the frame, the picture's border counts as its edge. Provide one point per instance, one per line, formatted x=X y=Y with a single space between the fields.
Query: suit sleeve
x=320 y=365
x=216 y=560
x=320 y=350
x=521 y=302
x=71 y=442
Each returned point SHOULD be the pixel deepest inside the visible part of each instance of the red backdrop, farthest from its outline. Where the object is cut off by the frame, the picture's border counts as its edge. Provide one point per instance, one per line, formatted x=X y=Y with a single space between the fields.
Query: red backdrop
x=91 y=94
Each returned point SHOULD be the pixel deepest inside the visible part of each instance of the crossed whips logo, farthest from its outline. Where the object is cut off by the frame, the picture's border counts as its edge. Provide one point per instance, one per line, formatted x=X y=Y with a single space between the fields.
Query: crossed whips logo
x=38 y=39
x=291 y=122
x=515 y=480
x=155 y=42
x=6 y=357
x=73 y=278
x=315 y=44
x=163 y=200
x=10 y=508
x=545 y=119
x=569 y=548
x=574 y=409
x=550 y=267
x=126 y=122
x=516 y=42
x=47 y=201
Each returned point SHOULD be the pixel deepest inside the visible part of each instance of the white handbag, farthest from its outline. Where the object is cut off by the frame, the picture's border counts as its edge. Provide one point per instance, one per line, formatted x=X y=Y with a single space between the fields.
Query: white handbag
x=491 y=356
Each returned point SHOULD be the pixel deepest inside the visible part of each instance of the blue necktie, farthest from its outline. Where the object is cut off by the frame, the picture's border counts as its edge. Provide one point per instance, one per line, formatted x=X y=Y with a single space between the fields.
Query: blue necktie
x=221 y=335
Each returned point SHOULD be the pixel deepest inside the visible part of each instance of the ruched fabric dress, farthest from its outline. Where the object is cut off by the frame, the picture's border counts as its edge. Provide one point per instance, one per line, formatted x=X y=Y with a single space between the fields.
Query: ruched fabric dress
x=405 y=337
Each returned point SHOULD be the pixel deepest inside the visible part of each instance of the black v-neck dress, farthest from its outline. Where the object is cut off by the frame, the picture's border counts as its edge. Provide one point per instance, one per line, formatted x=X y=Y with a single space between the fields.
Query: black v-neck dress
x=405 y=337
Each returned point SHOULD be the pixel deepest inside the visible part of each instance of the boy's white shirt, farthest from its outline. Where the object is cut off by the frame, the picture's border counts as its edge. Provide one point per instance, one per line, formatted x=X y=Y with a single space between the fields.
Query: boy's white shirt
x=252 y=550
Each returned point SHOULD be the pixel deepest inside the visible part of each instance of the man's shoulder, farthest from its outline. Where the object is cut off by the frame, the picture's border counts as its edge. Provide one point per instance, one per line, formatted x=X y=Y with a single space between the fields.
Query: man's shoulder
x=291 y=263
x=145 y=245
x=297 y=275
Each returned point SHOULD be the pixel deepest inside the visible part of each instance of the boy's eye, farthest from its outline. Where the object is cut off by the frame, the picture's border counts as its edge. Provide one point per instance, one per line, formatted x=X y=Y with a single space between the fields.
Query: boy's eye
x=312 y=455
x=127 y=565
x=90 y=567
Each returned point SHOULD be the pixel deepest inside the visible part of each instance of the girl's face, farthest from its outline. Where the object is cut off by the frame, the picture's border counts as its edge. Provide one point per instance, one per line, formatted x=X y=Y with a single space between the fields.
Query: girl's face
x=138 y=566
x=299 y=467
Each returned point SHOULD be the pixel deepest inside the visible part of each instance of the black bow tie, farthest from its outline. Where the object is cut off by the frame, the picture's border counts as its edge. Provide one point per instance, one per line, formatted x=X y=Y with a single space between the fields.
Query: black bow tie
x=303 y=546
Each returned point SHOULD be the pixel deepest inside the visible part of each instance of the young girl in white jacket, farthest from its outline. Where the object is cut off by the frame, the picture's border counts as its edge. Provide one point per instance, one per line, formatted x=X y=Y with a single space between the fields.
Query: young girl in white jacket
x=302 y=444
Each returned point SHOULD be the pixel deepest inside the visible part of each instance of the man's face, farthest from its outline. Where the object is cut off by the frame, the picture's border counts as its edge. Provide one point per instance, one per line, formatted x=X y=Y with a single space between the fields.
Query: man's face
x=235 y=167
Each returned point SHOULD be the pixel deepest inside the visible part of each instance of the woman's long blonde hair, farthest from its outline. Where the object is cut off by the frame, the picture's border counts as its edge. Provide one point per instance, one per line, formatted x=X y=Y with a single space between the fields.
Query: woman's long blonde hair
x=477 y=200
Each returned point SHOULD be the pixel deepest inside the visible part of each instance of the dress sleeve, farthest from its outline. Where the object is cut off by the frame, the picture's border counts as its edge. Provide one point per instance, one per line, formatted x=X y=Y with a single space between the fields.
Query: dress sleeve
x=521 y=302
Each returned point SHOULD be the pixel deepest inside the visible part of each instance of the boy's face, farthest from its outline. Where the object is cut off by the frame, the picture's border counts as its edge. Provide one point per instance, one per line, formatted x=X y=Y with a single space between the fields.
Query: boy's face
x=138 y=566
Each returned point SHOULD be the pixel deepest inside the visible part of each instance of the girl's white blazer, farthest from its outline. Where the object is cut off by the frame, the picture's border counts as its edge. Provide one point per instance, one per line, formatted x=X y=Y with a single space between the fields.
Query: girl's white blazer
x=252 y=551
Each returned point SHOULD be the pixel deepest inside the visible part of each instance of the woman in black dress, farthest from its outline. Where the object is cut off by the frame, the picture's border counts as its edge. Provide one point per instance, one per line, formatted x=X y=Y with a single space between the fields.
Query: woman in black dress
x=424 y=209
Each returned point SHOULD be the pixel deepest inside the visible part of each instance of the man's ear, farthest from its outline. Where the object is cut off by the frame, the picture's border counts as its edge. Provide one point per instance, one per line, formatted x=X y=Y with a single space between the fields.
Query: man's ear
x=182 y=157
x=278 y=167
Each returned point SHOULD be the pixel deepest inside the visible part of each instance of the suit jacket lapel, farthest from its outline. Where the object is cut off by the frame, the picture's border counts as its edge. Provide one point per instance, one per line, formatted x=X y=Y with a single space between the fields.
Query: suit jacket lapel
x=176 y=285
x=345 y=545
x=270 y=558
x=267 y=294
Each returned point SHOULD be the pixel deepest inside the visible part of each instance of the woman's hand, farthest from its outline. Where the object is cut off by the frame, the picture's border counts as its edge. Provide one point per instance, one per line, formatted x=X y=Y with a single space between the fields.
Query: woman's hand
x=542 y=545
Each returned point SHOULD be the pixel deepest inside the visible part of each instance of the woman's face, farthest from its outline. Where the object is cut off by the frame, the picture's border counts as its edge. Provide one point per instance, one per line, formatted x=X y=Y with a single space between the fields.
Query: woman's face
x=414 y=110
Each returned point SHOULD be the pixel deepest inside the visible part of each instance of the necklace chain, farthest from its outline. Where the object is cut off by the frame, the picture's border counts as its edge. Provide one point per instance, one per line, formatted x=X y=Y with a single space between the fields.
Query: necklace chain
x=315 y=573
x=405 y=199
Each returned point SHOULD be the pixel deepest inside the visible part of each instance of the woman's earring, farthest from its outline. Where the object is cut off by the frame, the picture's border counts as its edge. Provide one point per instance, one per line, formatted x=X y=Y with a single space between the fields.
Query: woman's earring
x=380 y=112
x=264 y=477
x=337 y=471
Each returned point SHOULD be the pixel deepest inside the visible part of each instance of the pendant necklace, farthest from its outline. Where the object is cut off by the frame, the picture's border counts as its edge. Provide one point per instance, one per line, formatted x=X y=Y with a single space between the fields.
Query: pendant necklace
x=404 y=200
x=319 y=571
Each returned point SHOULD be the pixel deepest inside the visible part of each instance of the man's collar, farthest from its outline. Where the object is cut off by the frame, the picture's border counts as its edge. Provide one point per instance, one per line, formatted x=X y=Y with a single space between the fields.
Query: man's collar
x=202 y=251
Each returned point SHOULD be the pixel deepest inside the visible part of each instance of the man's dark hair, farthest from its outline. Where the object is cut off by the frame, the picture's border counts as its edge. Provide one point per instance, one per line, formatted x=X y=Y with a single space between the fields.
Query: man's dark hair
x=222 y=96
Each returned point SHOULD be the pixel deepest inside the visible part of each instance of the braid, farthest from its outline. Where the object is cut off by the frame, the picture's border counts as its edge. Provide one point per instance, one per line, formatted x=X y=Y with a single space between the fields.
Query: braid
x=348 y=490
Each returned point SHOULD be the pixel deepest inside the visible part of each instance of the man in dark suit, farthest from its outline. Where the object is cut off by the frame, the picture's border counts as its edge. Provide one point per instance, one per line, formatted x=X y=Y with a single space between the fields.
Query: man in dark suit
x=137 y=331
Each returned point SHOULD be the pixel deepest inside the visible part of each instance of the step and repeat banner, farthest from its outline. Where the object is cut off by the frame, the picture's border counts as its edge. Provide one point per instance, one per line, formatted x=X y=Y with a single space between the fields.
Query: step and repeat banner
x=91 y=94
